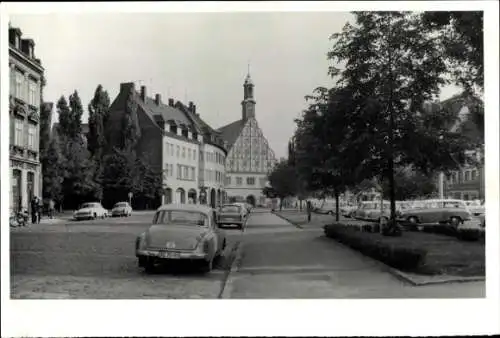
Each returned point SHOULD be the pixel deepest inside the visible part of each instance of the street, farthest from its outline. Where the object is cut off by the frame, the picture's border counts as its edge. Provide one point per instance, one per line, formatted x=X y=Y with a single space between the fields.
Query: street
x=95 y=260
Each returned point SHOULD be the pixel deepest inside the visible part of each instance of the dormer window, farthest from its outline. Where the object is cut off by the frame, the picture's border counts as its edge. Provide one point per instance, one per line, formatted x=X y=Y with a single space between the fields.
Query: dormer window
x=173 y=129
x=195 y=136
x=185 y=133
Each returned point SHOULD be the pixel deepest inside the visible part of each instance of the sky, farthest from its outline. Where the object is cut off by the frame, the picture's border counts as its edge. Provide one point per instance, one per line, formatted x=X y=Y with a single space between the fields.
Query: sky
x=199 y=57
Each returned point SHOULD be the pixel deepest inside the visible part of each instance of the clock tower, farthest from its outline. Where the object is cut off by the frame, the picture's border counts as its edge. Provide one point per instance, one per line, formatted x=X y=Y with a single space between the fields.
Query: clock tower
x=248 y=103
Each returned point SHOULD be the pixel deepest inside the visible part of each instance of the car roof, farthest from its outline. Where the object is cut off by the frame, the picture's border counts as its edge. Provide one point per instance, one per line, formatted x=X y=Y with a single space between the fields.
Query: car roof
x=186 y=207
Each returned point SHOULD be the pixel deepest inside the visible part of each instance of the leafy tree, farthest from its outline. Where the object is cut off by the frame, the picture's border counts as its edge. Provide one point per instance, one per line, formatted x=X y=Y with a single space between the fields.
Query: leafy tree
x=130 y=130
x=283 y=180
x=461 y=35
x=392 y=67
x=45 y=127
x=410 y=184
x=52 y=170
x=98 y=117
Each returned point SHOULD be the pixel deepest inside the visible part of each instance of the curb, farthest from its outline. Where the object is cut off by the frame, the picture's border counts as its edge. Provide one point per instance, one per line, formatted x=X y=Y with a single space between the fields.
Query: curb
x=227 y=287
x=286 y=219
x=413 y=280
x=443 y=279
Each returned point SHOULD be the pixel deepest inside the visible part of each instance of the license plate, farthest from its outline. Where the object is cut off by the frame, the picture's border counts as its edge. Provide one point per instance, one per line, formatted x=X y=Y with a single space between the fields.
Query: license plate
x=167 y=254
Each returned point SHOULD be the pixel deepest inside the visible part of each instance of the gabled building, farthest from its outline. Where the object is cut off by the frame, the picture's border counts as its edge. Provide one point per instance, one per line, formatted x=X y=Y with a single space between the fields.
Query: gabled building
x=250 y=158
x=26 y=82
x=177 y=142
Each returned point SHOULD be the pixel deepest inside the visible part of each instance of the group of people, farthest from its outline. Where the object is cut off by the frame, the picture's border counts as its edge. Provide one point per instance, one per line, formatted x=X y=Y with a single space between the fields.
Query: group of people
x=37 y=209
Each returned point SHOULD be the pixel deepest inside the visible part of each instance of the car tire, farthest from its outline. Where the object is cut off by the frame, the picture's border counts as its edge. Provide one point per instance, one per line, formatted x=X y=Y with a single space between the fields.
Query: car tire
x=455 y=221
x=149 y=267
x=413 y=221
x=142 y=261
x=207 y=266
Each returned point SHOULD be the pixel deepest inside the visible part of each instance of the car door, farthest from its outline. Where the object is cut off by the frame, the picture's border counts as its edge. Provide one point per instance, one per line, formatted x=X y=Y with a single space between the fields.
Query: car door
x=217 y=232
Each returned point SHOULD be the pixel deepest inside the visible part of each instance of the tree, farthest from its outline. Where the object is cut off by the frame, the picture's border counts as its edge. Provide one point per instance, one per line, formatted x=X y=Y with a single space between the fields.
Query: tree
x=45 y=127
x=410 y=184
x=53 y=174
x=98 y=118
x=462 y=38
x=130 y=130
x=283 y=180
x=392 y=67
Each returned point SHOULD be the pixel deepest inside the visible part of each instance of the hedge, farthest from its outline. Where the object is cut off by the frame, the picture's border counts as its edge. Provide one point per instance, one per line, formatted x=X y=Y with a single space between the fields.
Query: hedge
x=397 y=256
x=463 y=234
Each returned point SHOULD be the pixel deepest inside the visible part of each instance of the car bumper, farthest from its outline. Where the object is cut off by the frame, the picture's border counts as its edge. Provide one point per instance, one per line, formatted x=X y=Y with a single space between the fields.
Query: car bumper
x=172 y=255
x=119 y=213
x=83 y=217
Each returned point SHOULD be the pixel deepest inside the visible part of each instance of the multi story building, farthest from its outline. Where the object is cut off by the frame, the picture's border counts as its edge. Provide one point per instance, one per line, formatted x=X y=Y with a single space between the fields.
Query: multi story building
x=467 y=183
x=250 y=157
x=177 y=142
x=26 y=82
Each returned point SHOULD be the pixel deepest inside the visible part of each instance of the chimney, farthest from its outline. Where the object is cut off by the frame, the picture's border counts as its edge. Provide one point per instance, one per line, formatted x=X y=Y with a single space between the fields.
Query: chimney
x=171 y=102
x=127 y=87
x=27 y=46
x=158 y=99
x=194 y=109
x=143 y=93
x=190 y=105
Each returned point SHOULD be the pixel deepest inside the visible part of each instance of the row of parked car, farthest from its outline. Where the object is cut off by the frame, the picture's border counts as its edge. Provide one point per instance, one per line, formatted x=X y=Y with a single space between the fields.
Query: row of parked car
x=94 y=210
x=188 y=233
x=451 y=211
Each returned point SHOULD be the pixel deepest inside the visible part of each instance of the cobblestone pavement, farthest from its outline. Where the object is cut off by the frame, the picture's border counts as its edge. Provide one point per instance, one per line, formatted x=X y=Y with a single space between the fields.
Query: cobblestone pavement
x=95 y=260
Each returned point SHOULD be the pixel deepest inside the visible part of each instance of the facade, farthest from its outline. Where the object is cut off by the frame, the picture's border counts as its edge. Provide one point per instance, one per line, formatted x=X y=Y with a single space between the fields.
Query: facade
x=176 y=140
x=468 y=182
x=250 y=158
x=26 y=82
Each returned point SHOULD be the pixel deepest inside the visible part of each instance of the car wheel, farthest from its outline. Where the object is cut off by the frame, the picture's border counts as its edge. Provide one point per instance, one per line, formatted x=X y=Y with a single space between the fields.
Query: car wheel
x=149 y=267
x=142 y=261
x=455 y=221
x=208 y=265
x=330 y=213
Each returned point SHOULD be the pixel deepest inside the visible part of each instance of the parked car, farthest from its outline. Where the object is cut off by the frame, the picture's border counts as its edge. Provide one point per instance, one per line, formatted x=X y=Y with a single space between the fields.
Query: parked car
x=244 y=207
x=347 y=210
x=371 y=211
x=232 y=214
x=453 y=212
x=181 y=232
x=475 y=207
x=91 y=210
x=121 y=209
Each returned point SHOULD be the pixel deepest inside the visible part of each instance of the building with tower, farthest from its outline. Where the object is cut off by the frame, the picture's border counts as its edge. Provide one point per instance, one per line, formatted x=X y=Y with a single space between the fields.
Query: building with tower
x=250 y=158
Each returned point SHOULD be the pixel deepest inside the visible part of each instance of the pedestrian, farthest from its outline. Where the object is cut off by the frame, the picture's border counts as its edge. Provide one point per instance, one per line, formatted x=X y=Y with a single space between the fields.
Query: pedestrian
x=51 y=208
x=40 y=209
x=34 y=209
x=309 y=210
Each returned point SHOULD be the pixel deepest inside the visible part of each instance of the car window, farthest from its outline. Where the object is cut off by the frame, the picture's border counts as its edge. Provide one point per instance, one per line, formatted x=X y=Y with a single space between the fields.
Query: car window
x=453 y=205
x=90 y=205
x=231 y=208
x=120 y=204
x=180 y=217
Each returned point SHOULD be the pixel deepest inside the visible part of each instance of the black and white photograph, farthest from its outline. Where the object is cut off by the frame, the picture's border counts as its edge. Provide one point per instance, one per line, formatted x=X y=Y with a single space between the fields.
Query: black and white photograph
x=218 y=168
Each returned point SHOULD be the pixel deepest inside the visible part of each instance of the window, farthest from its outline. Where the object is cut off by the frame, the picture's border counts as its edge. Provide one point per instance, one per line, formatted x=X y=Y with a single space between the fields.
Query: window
x=171 y=170
x=19 y=133
x=20 y=85
x=194 y=154
x=167 y=217
x=228 y=180
x=192 y=173
x=32 y=94
x=189 y=153
x=167 y=171
x=186 y=173
x=183 y=152
x=32 y=137
x=178 y=150
x=172 y=150
x=239 y=181
x=473 y=175
x=250 y=180
x=179 y=172
x=467 y=175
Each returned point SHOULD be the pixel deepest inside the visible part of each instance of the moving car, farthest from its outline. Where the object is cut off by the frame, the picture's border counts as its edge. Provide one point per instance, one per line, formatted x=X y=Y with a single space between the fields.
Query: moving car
x=121 y=209
x=441 y=211
x=181 y=232
x=232 y=214
x=91 y=210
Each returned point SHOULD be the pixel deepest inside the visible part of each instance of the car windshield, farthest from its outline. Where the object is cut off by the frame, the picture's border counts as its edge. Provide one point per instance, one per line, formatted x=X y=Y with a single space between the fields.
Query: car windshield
x=90 y=205
x=453 y=205
x=120 y=205
x=167 y=217
x=230 y=208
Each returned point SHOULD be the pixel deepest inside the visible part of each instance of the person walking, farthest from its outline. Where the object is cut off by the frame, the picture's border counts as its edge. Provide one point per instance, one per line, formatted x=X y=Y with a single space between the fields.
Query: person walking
x=34 y=209
x=309 y=210
x=40 y=209
x=51 y=208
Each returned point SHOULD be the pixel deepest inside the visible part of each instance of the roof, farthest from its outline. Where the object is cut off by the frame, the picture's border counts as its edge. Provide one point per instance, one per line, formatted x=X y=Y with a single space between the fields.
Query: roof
x=231 y=131
x=186 y=207
x=167 y=112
